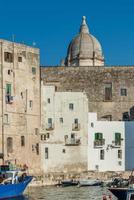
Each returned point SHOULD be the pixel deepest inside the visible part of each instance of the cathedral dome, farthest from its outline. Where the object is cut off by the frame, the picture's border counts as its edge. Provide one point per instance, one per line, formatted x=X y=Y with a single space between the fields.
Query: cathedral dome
x=84 y=49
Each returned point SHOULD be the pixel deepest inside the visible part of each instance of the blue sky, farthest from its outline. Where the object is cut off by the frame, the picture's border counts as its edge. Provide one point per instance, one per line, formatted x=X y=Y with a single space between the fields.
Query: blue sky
x=53 y=23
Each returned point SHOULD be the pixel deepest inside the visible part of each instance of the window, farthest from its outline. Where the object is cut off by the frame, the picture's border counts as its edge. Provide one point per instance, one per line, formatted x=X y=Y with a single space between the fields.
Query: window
x=71 y=106
x=43 y=137
x=8 y=89
x=33 y=70
x=108 y=91
x=46 y=152
x=120 y=154
x=49 y=120
x=9 y=145
x=98 y=136
x=48 y=100
x=6 y=120
x=47 y=135
x=98 y=140
x=21 y=94
x=125 y=116
x=117 y=138
x=63 y=150
x=22 y=141
x=19 y=59
x=102 y=154
x=92 y=124
x=37 y=148
x=123 y=92
x=36 y=131
x=31 y=104
x=76 y=121
x=8 y=57
x=61 y=120
x=9 y=71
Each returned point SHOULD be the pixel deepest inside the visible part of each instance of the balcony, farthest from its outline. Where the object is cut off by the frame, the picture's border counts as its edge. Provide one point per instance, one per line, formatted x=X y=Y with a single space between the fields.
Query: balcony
x=9 y=99
x=49 y=127
x=116 y=143
x=99 y=143
x=75 y=127
x=72 y=142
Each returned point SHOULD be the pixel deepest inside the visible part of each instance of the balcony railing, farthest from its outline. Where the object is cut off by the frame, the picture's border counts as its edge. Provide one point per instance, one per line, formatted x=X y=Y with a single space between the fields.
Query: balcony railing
x=9 y=99
x=72 y=142
x=49 y=127
x=99 y=143
x=75 y=127
x=116 y=143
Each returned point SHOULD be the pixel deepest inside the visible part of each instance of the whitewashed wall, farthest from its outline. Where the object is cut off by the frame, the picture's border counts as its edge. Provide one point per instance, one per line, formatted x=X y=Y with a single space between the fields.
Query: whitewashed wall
x=74 y=158
x=111 y=161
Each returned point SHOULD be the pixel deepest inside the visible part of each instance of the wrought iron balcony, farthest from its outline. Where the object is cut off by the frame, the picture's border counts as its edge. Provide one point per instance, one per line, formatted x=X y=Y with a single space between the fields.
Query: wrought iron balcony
x=99 y=143
x=49 y=127
x=75 y=127
x=72 y=142
x=117 y=143
x=9 y=99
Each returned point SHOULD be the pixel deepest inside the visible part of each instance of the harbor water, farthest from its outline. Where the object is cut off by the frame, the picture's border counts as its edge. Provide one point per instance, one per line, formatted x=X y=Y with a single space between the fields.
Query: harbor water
x=65 y=193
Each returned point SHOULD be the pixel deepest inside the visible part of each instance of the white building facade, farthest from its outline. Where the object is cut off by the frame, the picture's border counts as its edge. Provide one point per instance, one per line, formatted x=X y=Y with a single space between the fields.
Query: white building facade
x=110 y=145
x=64 y=119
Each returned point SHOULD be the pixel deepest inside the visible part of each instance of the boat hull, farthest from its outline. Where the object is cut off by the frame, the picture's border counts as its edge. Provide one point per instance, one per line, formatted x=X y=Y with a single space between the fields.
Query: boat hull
x=121 y=193
x=14 y=190
x=84 y=183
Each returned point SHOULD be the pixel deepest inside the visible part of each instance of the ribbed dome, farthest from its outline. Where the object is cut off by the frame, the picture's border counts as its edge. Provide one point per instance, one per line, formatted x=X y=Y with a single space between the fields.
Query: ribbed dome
x=84 y=49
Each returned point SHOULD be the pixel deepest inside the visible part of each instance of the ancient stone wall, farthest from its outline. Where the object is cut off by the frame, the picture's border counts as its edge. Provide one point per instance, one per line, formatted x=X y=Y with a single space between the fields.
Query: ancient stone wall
x=92 y=80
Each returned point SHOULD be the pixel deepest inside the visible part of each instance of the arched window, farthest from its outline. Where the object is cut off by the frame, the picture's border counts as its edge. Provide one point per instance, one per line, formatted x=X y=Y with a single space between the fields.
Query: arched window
x=22 y=141
x=117 y=138
x=9 y=145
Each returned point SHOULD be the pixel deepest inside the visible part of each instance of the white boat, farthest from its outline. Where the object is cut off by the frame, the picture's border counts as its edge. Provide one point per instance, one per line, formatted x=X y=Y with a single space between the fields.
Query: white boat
x=90 y=182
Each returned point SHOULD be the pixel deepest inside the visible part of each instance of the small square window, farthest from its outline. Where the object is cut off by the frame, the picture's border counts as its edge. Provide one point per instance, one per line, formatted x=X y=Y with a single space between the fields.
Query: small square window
x=19 y=59
x=92 y=124
x=48 y=100
x=36 y=131
x=61 y=120
x=71 y=106
x=123 y=92
x=9 y=71
x=33 y=70
x=31 y=104
x=63 y=150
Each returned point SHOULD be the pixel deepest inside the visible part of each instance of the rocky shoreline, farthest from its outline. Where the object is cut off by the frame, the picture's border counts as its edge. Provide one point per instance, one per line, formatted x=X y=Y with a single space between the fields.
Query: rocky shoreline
x=52 y=179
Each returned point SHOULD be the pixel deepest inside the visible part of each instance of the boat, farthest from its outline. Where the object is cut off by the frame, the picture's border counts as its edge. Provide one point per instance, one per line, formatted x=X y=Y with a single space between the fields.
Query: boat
x=122 y=193
x=67 y=183
x=13 y=183
x=90 y=182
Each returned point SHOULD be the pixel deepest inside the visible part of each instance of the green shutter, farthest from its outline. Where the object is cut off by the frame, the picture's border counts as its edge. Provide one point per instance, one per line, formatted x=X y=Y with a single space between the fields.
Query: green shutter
x=96 y=136
x=8 y=89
